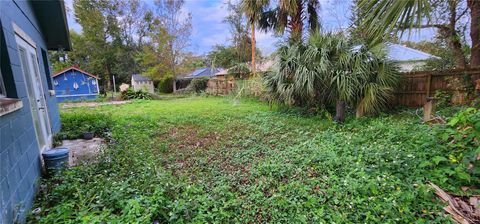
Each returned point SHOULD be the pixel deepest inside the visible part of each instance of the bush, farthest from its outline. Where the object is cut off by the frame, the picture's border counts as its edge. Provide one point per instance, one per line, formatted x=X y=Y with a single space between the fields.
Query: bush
x=130 y=94
x=199 y=85
x=165 y=85
x=459 y=140
x=252 y=87
x=75 y=124
x=329 y=69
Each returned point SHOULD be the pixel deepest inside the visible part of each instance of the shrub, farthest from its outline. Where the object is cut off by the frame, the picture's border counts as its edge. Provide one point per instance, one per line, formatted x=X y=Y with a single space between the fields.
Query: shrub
x=330 y=69
x=165 y=85
x=75 y=124
x=460 y=164
x=130 y=94
x=199 y=84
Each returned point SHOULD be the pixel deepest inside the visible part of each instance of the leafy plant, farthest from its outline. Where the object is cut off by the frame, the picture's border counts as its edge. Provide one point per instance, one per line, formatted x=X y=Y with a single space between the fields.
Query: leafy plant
x=75 y=124
x=208 y=160
x=329 y=69
x=131 y=94
x=459 y=140
x=166 y=85
x=199 y=84
x=444 y=98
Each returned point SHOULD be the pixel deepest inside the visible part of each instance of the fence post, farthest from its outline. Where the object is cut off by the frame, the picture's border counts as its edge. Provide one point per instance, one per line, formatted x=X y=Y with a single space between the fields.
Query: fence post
x=429 y=83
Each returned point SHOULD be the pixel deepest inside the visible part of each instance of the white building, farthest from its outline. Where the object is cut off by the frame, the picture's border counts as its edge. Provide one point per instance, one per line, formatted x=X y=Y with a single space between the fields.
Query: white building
x=407 y=58
x=142 y=83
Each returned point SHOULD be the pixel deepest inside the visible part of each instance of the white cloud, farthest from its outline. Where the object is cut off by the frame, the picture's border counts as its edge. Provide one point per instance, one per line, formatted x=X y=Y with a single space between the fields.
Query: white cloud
x=266 y=42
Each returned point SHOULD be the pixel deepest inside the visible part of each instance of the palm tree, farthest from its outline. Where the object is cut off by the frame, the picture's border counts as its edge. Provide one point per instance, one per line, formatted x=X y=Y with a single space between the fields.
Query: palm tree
x=291 y=15
x=253 y=9
x=328 y=69
x=377 y=78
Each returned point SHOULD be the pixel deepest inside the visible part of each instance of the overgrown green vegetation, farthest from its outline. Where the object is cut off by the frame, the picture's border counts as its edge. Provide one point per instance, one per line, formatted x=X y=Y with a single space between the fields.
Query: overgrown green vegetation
x=329 y=69
x=131 y=94
x=75 y=124
x=199 y=84
x=217 y=160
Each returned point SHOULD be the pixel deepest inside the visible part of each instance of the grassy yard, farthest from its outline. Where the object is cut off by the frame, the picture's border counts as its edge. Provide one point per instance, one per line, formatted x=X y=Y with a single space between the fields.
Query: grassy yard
x=218 y=160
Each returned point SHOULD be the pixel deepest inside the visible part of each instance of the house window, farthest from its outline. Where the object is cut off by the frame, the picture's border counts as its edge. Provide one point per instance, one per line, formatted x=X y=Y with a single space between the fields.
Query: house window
x=8 y=92
x=47 y=69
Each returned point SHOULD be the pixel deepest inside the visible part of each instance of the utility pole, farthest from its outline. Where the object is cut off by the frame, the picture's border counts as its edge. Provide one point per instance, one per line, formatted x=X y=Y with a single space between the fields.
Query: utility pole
x=114 y=88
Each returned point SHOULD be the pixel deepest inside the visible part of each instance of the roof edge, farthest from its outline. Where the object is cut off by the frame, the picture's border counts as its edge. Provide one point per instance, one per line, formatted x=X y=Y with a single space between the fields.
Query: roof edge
x=74 y=68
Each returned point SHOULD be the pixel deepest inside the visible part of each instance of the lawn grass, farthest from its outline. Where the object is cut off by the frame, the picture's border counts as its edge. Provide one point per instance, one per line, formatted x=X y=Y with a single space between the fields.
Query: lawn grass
x=209 y=159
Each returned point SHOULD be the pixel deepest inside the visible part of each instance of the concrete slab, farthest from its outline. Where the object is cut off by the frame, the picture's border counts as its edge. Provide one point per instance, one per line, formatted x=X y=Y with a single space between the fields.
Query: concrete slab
x=82 y=150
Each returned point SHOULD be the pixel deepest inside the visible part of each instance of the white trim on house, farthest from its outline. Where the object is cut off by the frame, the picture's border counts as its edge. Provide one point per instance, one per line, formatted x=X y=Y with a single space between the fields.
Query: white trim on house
x=23 y=35
x=36 y=91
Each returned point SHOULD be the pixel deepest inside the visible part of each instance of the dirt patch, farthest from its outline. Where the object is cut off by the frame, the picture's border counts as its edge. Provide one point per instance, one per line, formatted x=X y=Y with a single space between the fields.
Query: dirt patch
x=93 y=104
x=189 y=137
x=82 y=150
x=192 y=151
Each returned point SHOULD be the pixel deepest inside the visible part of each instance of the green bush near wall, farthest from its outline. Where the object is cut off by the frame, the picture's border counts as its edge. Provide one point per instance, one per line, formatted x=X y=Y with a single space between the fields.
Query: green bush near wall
x=131 y=94
x=199 y=84
x=165 y=85
x=75 y=124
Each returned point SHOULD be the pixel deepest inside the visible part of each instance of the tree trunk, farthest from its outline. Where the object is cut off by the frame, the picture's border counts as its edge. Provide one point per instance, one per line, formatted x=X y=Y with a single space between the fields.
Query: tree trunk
x=474 y=6
x=340 y=111
x=174 y=85
x=109 y=75
x=360 y=110
x=296 y=23
x=453 y=37
x=254 y=67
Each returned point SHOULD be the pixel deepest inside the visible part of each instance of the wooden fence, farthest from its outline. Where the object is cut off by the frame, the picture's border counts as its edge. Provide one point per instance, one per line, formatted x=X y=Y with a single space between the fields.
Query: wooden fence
x=417 y=86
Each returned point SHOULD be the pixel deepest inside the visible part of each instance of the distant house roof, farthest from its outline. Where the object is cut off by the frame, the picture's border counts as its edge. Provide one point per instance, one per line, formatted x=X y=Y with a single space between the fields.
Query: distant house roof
x=397 y=52
x=222 y=72
x=140 y=78
x=400 y=53
x=74 y=68
x=203 y=72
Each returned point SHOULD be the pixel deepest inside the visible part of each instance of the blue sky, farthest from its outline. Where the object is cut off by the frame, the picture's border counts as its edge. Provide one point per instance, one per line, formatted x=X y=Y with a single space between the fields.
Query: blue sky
x=209 y=28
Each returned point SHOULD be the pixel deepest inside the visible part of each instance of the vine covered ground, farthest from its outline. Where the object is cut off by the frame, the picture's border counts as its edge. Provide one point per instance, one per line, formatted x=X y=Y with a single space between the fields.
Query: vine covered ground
x=217 y=160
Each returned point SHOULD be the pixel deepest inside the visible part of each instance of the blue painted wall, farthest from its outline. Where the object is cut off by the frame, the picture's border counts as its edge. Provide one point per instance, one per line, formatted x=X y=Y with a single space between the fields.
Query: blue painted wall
x=64 y=84
x=20 y=163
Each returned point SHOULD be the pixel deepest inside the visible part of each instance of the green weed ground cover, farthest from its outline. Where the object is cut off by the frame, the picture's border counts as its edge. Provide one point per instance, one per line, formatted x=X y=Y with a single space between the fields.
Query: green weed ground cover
x=221 y=161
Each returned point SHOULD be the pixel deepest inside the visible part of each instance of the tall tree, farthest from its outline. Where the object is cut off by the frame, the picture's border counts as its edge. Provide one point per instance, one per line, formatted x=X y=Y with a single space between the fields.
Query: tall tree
x=292 y=15
x=100 y=28
x=474 y=6
x=112 y=33
x=136 y=21
x=155 y=56
x=241 y=34
x=178 y=26
x=253 y=10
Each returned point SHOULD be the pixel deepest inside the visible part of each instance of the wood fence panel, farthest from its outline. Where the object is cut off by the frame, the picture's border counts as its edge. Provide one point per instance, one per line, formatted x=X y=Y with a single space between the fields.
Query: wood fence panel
x=417 y=86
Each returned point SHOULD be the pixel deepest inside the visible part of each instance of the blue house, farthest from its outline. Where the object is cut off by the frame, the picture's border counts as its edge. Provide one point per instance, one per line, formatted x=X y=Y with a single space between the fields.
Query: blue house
x=75 y=84
x=29 y=114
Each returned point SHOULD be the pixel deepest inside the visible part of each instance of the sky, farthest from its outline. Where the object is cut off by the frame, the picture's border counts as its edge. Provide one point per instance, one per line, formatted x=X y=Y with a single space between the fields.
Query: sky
x=208 y=28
